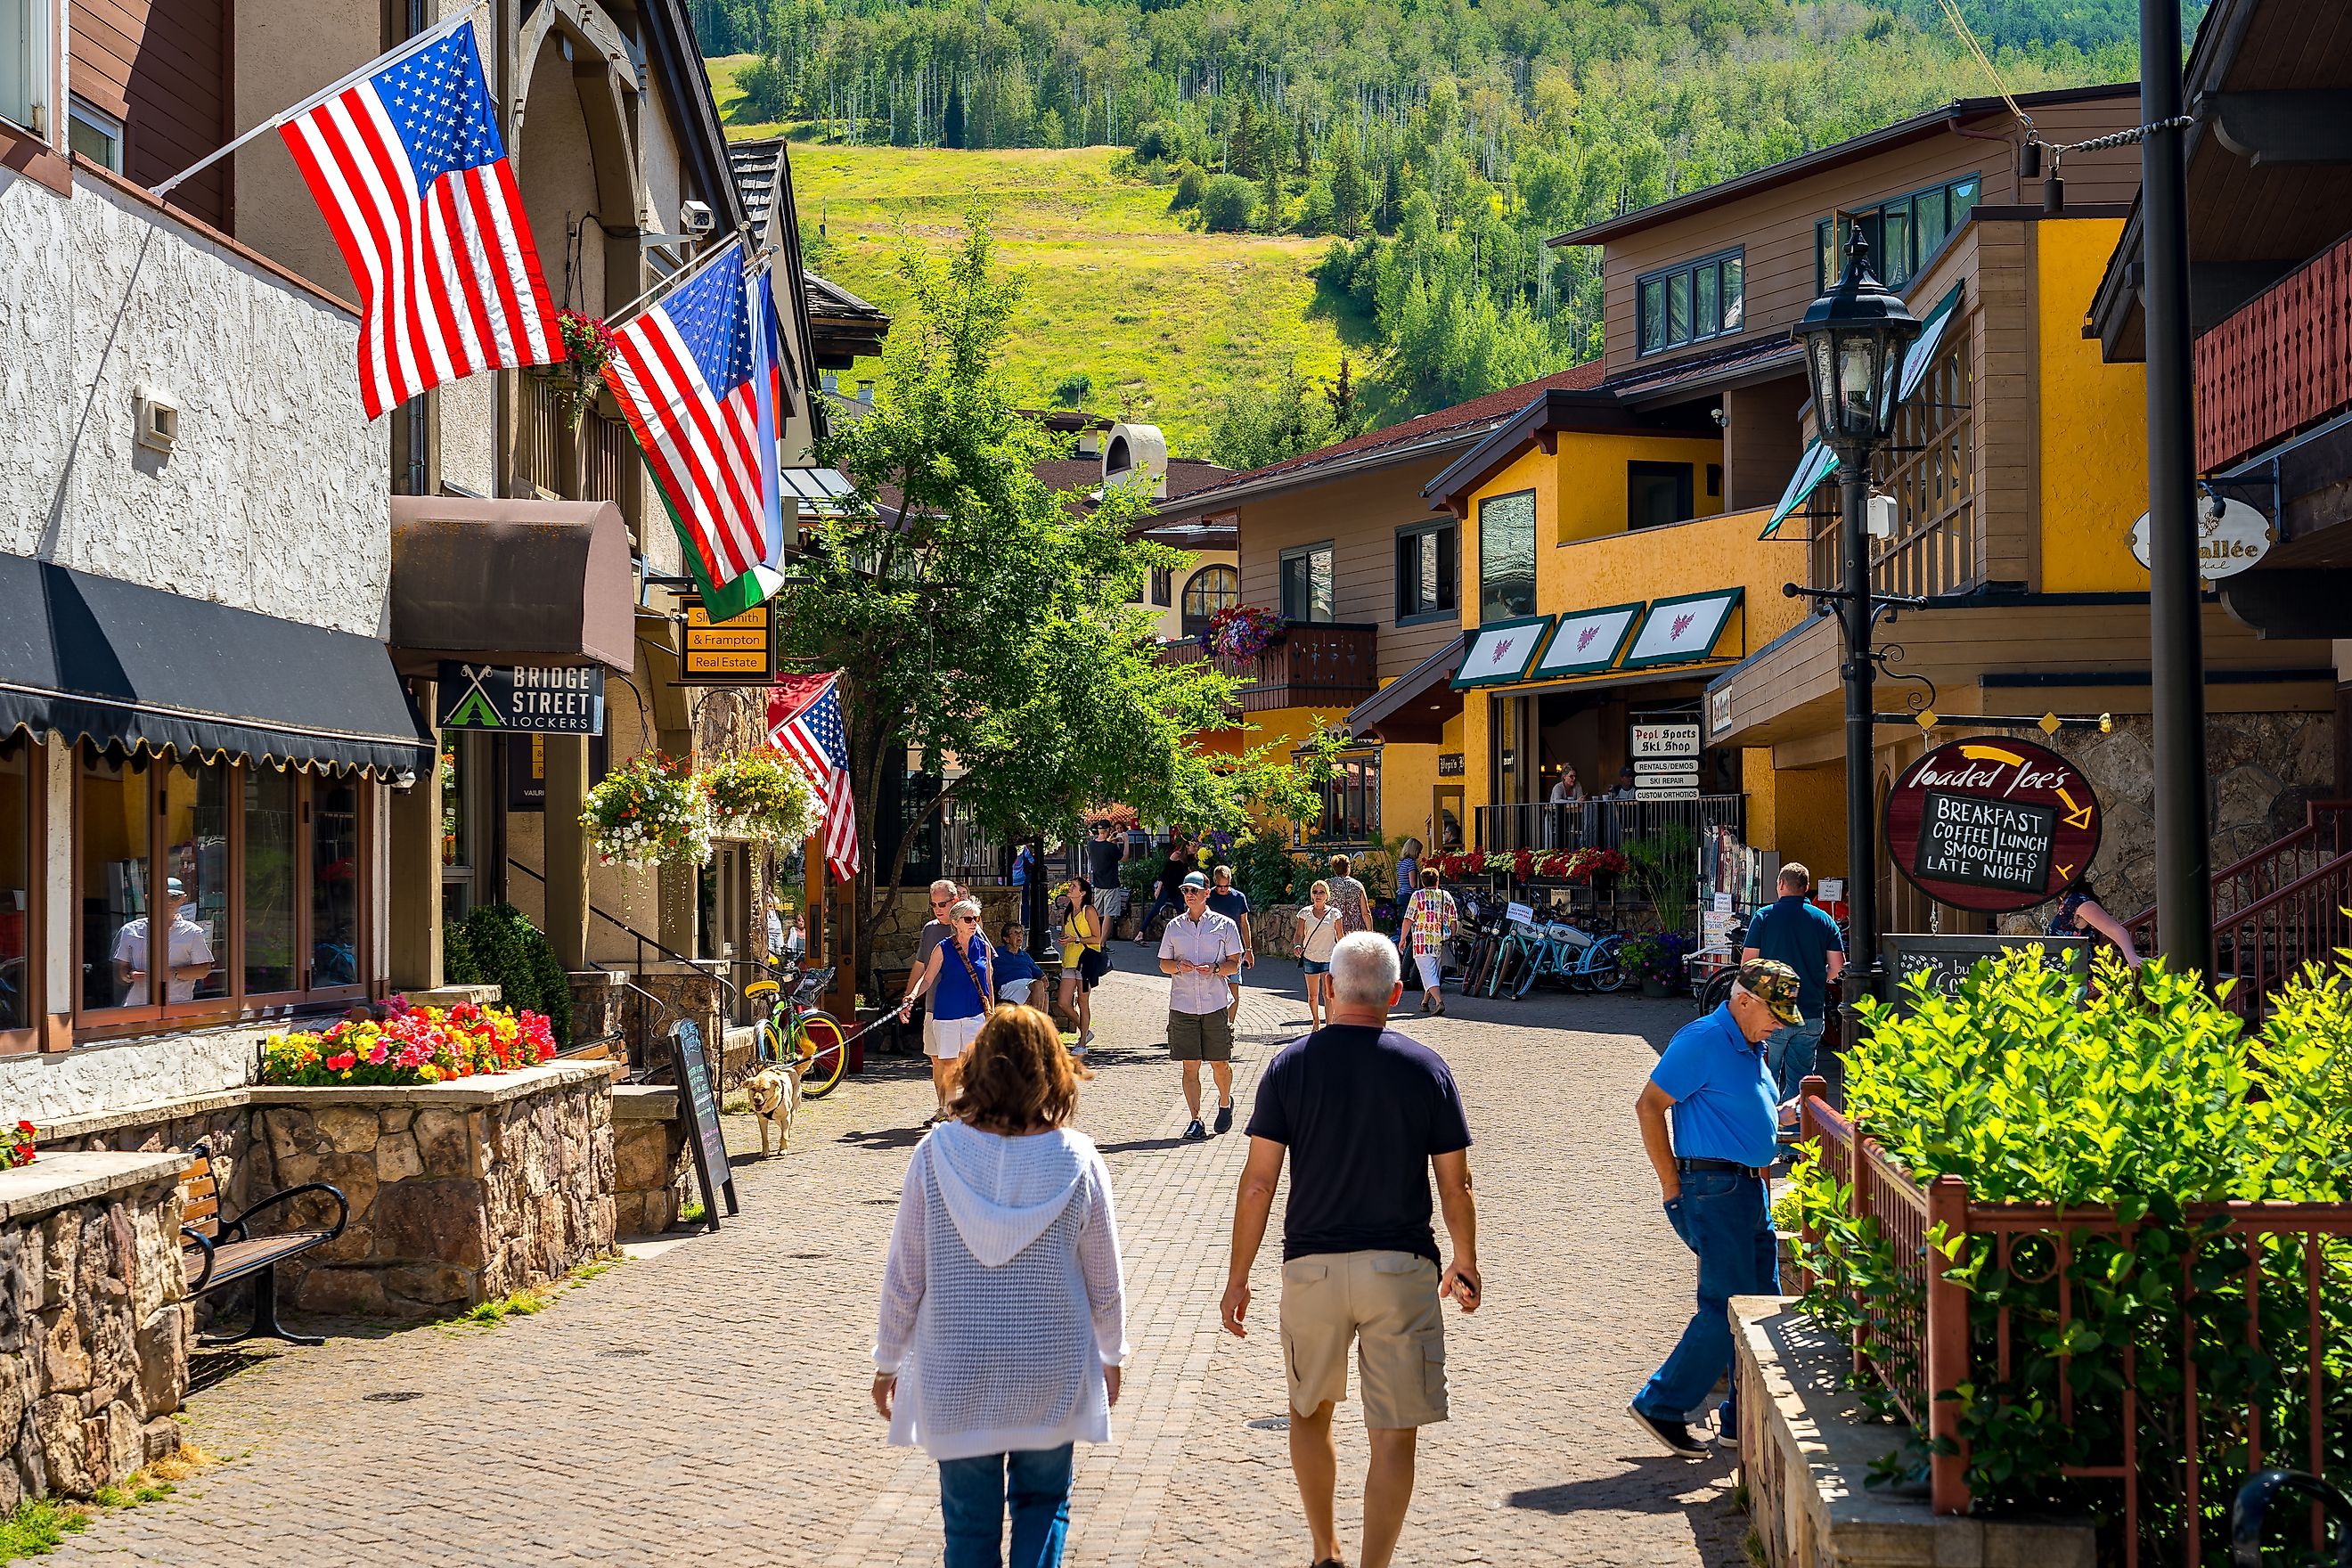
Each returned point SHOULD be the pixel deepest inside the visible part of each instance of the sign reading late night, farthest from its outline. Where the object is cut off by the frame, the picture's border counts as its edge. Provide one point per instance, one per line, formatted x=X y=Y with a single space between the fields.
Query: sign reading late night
x=1992 y=825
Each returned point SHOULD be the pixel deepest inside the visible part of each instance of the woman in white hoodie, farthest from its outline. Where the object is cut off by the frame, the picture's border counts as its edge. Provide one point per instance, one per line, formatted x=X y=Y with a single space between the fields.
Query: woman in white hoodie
x=1003 y=1312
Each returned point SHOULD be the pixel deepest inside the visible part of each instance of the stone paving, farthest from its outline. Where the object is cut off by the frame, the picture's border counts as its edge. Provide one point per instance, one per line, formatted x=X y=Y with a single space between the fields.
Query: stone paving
x=709 y=1402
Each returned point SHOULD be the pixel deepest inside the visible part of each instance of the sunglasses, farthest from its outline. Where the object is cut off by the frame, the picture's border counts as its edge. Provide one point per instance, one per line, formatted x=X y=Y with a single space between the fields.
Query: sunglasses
x=967 y=920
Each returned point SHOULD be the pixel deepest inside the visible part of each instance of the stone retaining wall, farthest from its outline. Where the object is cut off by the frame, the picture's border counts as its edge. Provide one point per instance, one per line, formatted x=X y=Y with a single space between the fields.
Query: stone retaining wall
x=94 y=1324
x=650 y=1158
x=460 y=1192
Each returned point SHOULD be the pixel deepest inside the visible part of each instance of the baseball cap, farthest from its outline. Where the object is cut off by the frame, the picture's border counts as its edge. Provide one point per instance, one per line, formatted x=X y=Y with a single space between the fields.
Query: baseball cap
x=1776 y=983
x=172 y=886
x=1194 y=879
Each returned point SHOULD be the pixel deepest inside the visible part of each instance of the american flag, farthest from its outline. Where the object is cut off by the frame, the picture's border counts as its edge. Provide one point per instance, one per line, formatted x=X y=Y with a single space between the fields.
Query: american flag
x=682 y=374
x=804 y=722
x=407 y=165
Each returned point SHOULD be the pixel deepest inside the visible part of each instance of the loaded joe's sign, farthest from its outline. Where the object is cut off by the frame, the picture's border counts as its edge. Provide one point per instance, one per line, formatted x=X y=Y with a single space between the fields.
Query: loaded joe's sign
x=1992 y=825
x=566 y=701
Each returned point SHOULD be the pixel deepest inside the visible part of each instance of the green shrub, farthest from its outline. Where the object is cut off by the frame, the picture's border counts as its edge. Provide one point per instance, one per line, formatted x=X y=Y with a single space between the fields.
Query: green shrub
x=458 y=964
x=1266 y=871
x=504 y=949
x=1158 y=143
x=1189 y=185
x=1226 y=202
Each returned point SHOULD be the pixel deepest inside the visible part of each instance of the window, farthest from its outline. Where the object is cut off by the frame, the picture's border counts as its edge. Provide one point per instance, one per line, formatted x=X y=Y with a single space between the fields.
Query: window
x=1692 y=302
x=1209 y=590
x=24 y=62
x=1656 y=493
x=1507 y=556
x=1904 y=234
x=1306 y=583
x=1351 y=801
x=94 y=133
x=206 y=889
x=20 y=774
x=1424 y=571
x=1163 y=589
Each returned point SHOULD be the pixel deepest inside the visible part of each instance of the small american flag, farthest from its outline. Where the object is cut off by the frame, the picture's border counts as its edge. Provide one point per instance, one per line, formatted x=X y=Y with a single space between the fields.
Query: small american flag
x=804 y=722
x=682 y=374
x=408 y=167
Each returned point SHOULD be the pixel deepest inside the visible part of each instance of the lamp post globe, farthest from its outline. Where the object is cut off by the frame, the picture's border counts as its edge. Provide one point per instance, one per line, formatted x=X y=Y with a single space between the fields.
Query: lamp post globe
x=1854 y=338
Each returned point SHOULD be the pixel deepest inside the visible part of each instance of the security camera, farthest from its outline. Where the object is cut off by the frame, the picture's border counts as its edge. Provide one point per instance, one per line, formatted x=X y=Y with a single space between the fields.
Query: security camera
x=695 y=217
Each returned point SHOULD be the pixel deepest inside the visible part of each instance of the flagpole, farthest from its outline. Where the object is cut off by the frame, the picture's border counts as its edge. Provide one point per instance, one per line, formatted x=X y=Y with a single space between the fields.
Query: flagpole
x=753 y=262
x=434 y=34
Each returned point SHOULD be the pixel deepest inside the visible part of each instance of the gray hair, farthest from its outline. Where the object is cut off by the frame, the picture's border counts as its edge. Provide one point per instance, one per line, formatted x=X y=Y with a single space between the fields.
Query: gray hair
x=1365 y=969
x=944 y=888
x=964 y=908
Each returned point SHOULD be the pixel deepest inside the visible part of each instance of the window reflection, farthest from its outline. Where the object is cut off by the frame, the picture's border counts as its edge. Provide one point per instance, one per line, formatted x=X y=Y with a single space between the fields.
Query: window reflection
x=269 y=880
x=334 y=883
x=17 y=776
x=112 y=856
x=196 y=866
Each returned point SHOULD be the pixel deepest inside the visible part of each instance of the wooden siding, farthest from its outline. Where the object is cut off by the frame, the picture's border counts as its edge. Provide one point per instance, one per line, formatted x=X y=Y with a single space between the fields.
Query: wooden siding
x=1776 y=227
x=1360 y=515
x=161 y=67
x=1762 y=440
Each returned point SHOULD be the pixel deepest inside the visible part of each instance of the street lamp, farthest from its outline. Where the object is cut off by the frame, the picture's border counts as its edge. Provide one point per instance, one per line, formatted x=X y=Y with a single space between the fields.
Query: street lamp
x=1854 y=338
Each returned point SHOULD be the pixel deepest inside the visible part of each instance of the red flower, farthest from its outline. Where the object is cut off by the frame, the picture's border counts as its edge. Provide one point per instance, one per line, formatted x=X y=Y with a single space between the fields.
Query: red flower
x=341 y=1062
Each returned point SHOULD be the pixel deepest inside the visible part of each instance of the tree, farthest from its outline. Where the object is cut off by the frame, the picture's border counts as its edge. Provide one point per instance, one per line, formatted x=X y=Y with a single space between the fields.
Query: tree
x=1226 y=202
x=1270 y=199
x=988 y=619
x=1258 y=425
x=952 y=134
x=1350 y=192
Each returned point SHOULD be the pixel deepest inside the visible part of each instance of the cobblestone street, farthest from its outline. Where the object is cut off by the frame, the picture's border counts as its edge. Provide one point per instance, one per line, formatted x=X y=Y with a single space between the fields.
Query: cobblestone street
x=707 y=1400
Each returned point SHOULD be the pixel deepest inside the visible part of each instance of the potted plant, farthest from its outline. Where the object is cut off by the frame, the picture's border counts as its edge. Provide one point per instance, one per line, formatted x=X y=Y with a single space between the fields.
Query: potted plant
x=649 y=811
x=1241 y=631
x=1655 y=959
x=580 y=378
x=762 y=794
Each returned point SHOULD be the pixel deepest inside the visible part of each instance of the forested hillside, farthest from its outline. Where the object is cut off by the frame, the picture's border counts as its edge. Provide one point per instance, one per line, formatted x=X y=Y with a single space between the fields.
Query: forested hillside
x=1432 y=148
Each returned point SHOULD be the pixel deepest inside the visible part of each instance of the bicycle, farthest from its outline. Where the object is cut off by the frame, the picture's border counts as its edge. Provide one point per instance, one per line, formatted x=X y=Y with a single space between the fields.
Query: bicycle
x=797 y=1030
x=1583 y=960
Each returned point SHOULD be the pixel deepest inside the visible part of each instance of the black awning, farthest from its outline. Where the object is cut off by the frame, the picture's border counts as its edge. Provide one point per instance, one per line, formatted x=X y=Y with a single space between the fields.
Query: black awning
x=109 y=661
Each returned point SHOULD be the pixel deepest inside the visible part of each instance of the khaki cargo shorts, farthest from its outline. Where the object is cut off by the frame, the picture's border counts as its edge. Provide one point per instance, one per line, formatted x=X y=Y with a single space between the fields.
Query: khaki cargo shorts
x=1386 y=1304
x=1200 y=1037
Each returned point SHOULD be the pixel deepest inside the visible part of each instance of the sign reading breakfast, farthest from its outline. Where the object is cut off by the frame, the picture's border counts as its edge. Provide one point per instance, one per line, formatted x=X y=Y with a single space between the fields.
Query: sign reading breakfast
x=1992 y=825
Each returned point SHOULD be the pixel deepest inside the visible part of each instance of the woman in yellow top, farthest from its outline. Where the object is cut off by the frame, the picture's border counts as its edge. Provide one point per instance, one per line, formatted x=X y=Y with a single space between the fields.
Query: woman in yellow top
x=1083 y=957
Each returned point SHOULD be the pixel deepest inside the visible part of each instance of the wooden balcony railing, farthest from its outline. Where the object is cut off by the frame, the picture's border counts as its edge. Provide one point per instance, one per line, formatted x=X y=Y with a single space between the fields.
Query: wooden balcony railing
x=2280 y=362
x=1930 y=471
x=1317 y=664
x=547 y=446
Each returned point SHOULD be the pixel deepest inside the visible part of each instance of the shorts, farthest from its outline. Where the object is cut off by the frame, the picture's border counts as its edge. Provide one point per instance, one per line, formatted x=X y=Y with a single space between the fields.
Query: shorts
x=1316 y=965
x=1386 y=1304
x=1201 y=1037
x=951 y=1037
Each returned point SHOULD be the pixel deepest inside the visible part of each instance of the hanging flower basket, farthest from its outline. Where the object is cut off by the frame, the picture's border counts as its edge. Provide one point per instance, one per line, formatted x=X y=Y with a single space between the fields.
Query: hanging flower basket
x=762 y=794
x=650 y=811
x=1243 y=631
x=587 y=350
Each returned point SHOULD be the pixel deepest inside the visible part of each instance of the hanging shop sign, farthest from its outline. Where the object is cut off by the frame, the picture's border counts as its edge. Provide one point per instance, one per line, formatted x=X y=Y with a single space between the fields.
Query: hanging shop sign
x=1992 y=825
x=1655 y=741
x=1588 y=641
x=1500 y=652
x=565 y=702
x=2231 y=537
x=738 y=651
x=1682 y=629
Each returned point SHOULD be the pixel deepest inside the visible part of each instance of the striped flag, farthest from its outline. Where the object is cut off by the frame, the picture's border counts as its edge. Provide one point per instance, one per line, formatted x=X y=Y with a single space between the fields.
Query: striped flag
x=682 y=373
x=408 y=167
x=805 y=723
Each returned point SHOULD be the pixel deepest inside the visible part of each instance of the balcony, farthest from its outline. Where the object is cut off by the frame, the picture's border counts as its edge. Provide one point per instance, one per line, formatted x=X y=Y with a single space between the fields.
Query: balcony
x=591 y=463
x=2279 y=363
x=1317 y=664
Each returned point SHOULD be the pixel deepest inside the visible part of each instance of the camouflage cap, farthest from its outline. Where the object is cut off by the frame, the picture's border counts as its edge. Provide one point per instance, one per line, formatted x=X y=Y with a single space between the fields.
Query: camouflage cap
x=1776 y=983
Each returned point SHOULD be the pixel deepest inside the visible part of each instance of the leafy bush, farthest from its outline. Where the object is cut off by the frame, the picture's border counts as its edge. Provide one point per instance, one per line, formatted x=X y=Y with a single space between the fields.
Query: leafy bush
x=1226 y=202
x=1189 y=185
x=1266 y=871
x=1664 y=868
x=1070 y=392
x=501 y=947
x=2145 y=1097
x=1158 y=143
x=458 y=964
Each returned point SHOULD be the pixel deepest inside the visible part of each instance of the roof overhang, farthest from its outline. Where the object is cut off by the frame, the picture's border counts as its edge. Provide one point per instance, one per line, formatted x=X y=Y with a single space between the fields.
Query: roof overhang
x=1548 y=416
x=1412 y=709
x=531 y=582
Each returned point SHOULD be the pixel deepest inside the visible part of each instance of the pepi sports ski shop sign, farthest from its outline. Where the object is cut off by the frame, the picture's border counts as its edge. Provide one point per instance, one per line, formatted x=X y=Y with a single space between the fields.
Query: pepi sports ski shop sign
x=1992 y=825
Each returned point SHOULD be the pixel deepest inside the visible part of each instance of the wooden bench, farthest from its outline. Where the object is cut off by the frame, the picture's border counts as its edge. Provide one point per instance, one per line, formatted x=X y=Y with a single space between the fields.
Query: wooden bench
x=218 y=1253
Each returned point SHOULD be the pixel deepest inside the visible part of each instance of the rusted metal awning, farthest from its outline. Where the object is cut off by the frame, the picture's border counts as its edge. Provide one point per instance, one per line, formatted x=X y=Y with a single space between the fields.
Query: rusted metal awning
x=535 y=583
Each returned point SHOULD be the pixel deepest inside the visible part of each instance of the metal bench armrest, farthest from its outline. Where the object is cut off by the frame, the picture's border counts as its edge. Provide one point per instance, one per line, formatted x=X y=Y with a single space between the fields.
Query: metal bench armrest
x=235 y=1229
x=204 y=1244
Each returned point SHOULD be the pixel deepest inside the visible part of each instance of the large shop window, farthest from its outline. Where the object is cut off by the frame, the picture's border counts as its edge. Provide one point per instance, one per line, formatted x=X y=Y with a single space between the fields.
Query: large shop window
x=206 y=889
x=1351 y=802
x=19 y=882
x=1904 y=234
x=1507 y=556
x=1692 y=302
x=1425 y=571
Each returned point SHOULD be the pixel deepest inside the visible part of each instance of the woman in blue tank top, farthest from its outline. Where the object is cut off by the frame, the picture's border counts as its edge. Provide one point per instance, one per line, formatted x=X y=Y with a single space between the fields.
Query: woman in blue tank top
x=957 y=980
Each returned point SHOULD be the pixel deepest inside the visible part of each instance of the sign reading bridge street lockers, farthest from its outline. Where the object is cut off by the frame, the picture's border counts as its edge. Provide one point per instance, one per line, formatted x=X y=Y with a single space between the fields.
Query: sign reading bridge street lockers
x=1992 y=825
x=566 y=701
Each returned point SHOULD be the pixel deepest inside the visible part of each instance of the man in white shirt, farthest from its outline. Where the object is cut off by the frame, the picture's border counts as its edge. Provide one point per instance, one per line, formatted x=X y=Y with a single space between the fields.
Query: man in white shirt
x=1199 y=951
x=188 y=952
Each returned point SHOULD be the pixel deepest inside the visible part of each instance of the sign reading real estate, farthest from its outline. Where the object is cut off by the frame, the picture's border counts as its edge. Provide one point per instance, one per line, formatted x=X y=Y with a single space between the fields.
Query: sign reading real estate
x=1992 y=825
x=567 y=702
x=738 y=651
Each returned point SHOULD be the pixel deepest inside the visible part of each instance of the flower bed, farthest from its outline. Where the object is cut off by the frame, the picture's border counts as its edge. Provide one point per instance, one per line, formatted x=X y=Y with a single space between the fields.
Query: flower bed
x=400 y=1044
x=17 y=1147
x=1575 y=866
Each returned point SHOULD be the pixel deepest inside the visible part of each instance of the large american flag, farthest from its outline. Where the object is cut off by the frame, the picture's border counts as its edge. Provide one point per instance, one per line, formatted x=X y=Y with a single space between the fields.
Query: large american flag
x=682 y=374
x=804 y=722
x=407 y=165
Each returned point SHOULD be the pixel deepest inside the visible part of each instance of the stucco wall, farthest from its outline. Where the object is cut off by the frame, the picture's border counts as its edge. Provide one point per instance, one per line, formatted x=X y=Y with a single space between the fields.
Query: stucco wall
x=92 y=1080
x=2094 y=422
x=275 y=497
x=557 y=171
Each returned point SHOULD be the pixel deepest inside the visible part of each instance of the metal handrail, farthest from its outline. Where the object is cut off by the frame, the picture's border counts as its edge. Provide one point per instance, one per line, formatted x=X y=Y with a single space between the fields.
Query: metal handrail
x=643 y=940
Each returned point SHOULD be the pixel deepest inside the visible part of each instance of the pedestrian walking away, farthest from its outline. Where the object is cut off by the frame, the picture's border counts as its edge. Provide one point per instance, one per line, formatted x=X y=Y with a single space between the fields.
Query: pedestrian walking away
x=1105 y=850
x=1199 y=952
x=1430 y=921
x=1167 y=890
x=1005 y=1220
x=1408 y=881
x=1794 y=930
x=1318 y=931
x=1234 y=904
x=1349 y=897
x=1712 y=1086
x=1363 y=1115
x=1084 y=958
x=956 y=977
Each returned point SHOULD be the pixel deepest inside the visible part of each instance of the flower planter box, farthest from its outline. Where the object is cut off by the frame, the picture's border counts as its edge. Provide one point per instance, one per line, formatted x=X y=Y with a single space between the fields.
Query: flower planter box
x=460 y=1191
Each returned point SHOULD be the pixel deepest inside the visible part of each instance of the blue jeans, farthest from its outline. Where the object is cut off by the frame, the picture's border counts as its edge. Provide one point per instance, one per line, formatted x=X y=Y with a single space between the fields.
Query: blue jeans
x=973 y=1497
x=1722 y=1215
x=1792 y=1050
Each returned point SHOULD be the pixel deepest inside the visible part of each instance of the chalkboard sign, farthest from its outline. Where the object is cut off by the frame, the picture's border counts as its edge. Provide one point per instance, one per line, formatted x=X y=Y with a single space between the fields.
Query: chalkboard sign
x=700 y=1105
x=1992 y=825
x=1947 y=960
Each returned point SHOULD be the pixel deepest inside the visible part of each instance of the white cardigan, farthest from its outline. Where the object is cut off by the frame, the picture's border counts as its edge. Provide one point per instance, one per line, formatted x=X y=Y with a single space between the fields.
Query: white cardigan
x=1002 y=1298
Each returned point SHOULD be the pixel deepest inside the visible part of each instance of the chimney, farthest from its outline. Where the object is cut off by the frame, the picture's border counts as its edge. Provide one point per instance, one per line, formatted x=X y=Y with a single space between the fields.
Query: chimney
x=864 y=391
x=1132 y=450
x=1090 y=442
x=830 y=380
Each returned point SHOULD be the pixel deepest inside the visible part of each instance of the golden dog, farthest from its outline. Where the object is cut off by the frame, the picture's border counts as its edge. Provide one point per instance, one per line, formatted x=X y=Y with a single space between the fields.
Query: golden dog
x=775 y=1095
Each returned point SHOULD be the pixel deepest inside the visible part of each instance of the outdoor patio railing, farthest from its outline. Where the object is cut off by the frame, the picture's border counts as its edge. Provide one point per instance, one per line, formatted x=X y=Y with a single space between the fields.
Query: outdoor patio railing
x=2276 y=908
x=1607 y=824
x=1931 y=1333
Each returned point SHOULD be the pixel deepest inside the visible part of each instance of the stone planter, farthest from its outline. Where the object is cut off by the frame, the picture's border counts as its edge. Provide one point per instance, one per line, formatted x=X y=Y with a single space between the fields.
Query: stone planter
x=650 y=1163
x=460 y=1192
x=94 y=1323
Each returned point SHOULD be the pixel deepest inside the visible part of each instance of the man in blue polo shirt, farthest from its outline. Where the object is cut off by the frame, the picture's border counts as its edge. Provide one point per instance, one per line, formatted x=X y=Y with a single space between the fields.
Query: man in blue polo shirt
x=1714 y=1086
x=1797 y=932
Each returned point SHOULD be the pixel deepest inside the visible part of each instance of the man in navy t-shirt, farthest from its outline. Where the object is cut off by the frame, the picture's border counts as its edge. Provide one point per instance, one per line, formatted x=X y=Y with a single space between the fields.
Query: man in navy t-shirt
x=1363 y=1115
x=1796 y=932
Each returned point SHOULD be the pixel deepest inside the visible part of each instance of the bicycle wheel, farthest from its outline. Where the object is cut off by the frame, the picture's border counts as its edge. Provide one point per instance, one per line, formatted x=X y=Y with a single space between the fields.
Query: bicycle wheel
x=773 y=1042
x=1605 y=972
x=1537 y=964
x=1507 y=964
x=823 y=1052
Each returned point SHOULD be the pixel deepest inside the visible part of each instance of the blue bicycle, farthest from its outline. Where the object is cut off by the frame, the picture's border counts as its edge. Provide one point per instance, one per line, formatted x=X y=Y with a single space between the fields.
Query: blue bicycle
x=1578 y=959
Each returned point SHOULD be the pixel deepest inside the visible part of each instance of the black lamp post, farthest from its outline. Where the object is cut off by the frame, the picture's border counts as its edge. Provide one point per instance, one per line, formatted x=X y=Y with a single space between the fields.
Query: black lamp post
x=1854 y=338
